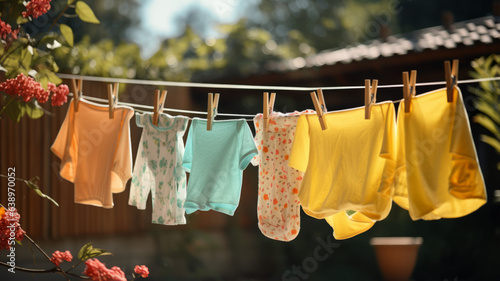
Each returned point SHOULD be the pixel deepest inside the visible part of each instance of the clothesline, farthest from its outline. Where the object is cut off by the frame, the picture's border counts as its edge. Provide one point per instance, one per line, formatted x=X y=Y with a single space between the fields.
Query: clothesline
x=149 y=108
x=146 y=108
x=250 y=87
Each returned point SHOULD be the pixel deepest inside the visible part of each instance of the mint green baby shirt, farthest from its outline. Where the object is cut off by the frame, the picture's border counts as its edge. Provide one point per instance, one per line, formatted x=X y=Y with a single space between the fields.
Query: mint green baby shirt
x=215 y=160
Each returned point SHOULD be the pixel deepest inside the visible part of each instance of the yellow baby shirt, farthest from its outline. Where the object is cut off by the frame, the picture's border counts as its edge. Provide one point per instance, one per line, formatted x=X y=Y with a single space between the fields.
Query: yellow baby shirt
x=349 y=167
x=95 y=152
x=437 y=175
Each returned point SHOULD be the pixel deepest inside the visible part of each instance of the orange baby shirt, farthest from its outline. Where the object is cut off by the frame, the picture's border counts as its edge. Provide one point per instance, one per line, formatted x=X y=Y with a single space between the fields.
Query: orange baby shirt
x=349 y=167
x=95 y=152
x=438 y=174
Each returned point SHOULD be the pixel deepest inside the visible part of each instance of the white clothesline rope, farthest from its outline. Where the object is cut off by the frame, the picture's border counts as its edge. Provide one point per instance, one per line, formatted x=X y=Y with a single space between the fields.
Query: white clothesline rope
x=148 y=108
x=249 y=87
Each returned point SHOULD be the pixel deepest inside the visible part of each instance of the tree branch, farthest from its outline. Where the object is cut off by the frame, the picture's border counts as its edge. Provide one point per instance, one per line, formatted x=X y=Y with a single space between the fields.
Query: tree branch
x=35 y=270
x=58 y=17
x=45 y=254
x=32 y=270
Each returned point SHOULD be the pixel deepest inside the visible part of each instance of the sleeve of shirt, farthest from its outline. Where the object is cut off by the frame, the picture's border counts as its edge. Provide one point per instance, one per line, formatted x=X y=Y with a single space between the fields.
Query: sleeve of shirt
x=140 y=119
x=59 y=145
x=187 y=160
x=64 y=147
x=258 y=136
x=182 y=124
x=466 y=180
x=247 y=148
x=299 y=155
x=122 y=164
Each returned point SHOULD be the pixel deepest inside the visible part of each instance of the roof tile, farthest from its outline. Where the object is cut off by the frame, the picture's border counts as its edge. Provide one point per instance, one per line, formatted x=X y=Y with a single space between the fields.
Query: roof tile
x=478 y=31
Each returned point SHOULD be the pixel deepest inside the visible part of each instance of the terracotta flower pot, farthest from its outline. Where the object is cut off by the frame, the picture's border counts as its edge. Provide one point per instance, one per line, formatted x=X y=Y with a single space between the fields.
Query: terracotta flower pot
x=396 y=256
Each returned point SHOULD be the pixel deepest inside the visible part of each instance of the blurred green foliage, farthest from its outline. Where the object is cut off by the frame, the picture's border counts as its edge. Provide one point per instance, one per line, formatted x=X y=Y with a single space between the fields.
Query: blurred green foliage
x=488 y=99
x=329 y=24
x=185 y=58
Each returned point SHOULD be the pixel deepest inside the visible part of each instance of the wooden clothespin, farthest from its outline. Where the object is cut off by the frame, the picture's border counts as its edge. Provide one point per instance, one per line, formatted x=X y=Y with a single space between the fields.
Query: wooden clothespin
x=268 y=109
x=370 y=96
x=158 y=106
x=77 y=92
x=320 y=107
x=112 y=98
x=212 y=109
x=451 y=75
x=409 y=88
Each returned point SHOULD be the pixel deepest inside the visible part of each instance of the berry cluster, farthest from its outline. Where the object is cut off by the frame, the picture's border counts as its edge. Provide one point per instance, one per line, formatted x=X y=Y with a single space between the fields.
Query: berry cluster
x=6 y=30
x=142 y=270
x=58 y=257
x=96 y=270
x=27 y=88
x=9 y=227
x=36 y=8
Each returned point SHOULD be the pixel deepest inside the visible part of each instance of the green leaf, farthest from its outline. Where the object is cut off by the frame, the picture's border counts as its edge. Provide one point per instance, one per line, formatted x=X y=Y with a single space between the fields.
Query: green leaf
x=88 y=252
x=21 y=20
x=488 y=124
x=55 y=67
x=67 y=32
x=26 y=58
x=23 y=40
x=47 y=39
x=71 y=2
x=33 y=184
x=11 y=64
x=13 y=109
x=33 y=112
x=492 y=142
x=44 y=81
x=489 y=109
x=85 y=13
x=53 y=78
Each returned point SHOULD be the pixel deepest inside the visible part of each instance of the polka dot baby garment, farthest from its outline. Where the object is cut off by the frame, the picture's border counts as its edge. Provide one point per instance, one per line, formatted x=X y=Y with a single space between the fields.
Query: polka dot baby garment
x=278 y=203
x=158 y=168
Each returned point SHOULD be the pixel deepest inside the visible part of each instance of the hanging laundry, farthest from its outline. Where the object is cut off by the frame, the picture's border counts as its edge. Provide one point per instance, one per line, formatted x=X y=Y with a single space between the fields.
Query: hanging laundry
x=215 y=160
x=278 y=205
x=95 y=152
x=158 y=168
x=438 y=174
x=349 y=167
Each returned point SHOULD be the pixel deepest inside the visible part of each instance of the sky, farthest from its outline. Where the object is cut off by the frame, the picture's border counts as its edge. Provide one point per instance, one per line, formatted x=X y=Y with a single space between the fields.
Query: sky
x=159 y=18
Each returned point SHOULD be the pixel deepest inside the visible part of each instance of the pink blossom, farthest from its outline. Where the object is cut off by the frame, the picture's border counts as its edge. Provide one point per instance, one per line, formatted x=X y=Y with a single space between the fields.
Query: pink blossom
x=58 y=257
x=36 y=8
x=9 y=218
x=142 y=270
x=6 y=30
x=27 y=88
x=60 y=95
x=14 y=33
x=97 y=271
